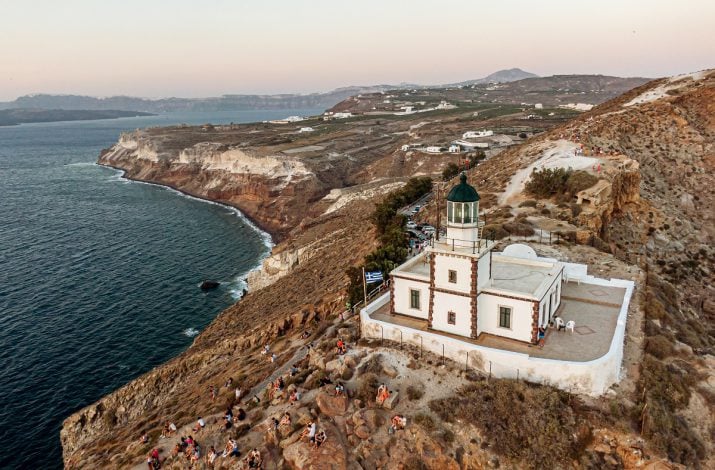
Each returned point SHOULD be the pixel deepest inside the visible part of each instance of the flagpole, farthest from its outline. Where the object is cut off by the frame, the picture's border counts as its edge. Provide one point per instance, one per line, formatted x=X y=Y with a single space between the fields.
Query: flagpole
x=364 y=288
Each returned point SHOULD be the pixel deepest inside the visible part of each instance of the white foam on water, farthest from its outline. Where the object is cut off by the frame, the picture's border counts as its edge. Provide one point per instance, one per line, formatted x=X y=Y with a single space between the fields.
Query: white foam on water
x=191 y=332
x=239 y=282
x=82 y=164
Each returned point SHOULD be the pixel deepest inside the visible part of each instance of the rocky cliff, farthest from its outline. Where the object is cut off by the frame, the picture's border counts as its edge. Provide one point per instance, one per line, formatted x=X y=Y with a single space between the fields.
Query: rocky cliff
x=315 y=194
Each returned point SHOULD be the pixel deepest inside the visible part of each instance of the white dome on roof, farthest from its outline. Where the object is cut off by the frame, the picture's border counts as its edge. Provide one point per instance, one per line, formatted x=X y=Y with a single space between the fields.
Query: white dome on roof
x=517 y=250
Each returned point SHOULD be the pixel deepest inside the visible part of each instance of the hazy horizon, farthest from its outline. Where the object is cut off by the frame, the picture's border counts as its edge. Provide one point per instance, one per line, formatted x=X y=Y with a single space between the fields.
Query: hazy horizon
x=188 y=49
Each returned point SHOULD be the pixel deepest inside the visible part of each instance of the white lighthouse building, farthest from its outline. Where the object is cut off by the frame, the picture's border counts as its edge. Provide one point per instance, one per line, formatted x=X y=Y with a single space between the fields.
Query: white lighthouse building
x=461 y=287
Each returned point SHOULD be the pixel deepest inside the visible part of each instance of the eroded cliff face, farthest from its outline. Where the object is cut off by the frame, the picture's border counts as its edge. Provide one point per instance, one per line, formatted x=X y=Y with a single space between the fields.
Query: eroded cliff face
x=273 y=191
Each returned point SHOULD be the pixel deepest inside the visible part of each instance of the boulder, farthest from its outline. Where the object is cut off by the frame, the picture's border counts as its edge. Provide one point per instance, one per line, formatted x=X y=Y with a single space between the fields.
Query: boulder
x=418 y=446
x=331 y=405
x=209 y=285
x=331 y=455
x=389 y=370
x=391 y=401
x=362 y=432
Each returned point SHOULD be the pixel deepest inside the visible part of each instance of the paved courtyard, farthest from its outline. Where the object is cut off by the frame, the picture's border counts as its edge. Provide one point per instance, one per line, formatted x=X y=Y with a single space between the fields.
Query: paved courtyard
x=594 y=309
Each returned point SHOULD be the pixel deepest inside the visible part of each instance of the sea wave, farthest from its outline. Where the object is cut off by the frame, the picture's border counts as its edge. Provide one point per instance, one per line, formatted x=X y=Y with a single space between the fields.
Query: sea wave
x=82 y=164
x=190 y=332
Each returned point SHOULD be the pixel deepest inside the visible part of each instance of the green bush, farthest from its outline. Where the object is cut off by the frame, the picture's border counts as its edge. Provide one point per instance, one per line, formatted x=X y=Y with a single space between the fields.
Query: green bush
x=450 y=171
x=390 y=228
x=548 y=182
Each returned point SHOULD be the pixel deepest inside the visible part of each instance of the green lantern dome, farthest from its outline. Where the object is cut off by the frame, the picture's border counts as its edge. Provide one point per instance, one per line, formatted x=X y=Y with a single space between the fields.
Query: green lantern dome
x=463 y=192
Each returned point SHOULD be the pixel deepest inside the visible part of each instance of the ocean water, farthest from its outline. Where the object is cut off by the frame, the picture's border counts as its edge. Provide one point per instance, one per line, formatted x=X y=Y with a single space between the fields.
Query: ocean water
x=98 y=275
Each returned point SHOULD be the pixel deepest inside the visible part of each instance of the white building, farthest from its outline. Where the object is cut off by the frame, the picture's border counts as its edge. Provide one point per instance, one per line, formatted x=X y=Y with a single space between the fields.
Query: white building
x=306 y=129
x=477 y=134
x=470 y=146
x=433 y=149
x=465 y=289
x=503 y=304
x=454 y=148
x=538 y=106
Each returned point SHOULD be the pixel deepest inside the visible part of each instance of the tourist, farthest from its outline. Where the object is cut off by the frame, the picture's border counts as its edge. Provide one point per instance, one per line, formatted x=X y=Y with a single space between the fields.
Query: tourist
x=276 y=423
x=196 y=455
x=212 y=392
x=542 y=336
x=144 y=438
x=234 y=448
x=211 y=456
x=273 y=357
x=398 y=422
x=341 y=348
x=239 y=393
x=320 y=438
x=266 y=349
x=293 y=370
x=200 y=424
x=254 y=459
x=285 y=422
x=294 y=396
x=339 y=389
x=229 y=382
x=382 y=394
x=308 y=431
x=241 y=414
x=177 y=449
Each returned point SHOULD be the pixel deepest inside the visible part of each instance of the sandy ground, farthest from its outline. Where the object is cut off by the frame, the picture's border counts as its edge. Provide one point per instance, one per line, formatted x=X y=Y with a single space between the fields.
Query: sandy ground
x=556 y=154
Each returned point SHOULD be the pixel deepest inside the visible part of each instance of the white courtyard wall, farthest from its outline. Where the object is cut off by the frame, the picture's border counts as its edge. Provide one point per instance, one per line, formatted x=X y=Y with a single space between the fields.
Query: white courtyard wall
x=555 y=289
x=460 y=305
x=488 y=317
x=483 y=270
x=592 y=377
x=463 y=266
x=402 y=297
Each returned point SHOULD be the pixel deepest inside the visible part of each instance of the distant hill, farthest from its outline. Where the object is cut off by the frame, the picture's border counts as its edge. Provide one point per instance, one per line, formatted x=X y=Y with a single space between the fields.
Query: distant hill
x=503 y=79
x=11 y=117
x=502 y=76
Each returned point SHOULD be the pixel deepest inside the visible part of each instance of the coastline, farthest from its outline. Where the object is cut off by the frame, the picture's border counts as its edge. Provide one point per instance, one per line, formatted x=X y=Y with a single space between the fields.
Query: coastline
x=266 y=237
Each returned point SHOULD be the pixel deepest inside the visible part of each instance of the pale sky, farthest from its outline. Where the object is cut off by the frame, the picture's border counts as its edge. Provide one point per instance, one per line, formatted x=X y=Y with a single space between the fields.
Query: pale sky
x=184 y=48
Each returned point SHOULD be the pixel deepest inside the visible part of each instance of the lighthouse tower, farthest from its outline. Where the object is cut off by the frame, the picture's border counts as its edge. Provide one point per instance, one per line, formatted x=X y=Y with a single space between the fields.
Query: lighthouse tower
x=463 y=214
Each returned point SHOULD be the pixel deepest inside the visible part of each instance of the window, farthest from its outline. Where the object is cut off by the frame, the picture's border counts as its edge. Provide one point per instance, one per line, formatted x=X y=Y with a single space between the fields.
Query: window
x=414 y=299
x=452 y=276
x=505 y=317
x=451 y=318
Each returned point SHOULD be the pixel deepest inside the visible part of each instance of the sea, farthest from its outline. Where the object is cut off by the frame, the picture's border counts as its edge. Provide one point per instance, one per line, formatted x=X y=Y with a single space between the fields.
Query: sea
x=99 y=276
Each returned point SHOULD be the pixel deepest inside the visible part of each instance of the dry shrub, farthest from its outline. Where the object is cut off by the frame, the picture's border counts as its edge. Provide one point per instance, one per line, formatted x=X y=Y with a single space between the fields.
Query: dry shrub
x=367 y=387
x=534 y=424
x=373 y=365
x=414 y=393
x=519 y=228
x=666 y=388
x=495 y=231
x=528 y=203
x=659 y=346
x=425 y=421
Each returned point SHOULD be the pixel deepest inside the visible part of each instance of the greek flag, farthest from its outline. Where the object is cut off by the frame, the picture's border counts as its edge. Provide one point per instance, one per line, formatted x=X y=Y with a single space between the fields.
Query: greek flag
x=373 y=276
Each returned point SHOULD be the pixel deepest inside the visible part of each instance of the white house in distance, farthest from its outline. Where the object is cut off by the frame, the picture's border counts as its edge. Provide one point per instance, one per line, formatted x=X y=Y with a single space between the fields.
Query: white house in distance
x=499 y=310
x=477 y=134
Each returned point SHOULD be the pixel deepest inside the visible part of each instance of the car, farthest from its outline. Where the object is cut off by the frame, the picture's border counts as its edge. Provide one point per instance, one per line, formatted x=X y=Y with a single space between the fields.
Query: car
x=411 y=224
x=428 y=229
x=415 y=234
x=416 y=209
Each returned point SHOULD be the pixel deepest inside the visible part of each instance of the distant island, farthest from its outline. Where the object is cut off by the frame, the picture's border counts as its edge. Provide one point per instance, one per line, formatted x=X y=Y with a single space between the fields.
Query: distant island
x=13 y=117
x=237 y=102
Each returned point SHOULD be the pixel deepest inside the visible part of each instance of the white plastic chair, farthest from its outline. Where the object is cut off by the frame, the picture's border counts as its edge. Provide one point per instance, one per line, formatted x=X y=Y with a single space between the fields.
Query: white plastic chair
x=570 y=325
x=559 y=324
